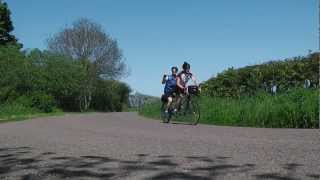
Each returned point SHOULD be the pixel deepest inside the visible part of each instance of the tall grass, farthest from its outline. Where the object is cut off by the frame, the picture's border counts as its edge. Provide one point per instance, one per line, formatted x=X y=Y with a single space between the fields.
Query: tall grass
x=151 y=110
x=297 y=108
x=23 y=108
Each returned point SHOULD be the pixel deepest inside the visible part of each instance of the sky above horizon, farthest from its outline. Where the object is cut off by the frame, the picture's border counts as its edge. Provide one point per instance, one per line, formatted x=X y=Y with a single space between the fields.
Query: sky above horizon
x=211 y=35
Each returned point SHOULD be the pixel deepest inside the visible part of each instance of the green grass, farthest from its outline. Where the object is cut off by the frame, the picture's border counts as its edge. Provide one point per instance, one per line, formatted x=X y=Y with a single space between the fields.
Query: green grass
x=298 y=108
x=151 y=110
x=130 y=109
x=28 y=116
x=19 y=111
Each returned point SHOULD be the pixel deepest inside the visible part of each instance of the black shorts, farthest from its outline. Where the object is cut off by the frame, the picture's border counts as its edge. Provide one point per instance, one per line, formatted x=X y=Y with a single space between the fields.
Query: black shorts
x=165 y=96
x=180 y=91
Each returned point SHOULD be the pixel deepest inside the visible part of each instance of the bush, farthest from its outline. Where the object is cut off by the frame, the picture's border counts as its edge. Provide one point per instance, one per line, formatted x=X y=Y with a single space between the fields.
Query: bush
x=43 y=80
x=110 y=95
x=11 y=68
x=20 y=106
x=43 y=102
x=249 y=80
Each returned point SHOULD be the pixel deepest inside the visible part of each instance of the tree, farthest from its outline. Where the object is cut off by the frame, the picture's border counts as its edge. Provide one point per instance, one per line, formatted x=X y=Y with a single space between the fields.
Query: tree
x=6 y=26
x=11 y=68
x=56 y=75
x=110 y=95
x=100 y=55
x=86 y=40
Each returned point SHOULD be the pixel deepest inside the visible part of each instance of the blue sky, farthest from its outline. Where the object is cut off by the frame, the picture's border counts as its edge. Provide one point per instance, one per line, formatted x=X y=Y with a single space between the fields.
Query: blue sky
x=154 y=35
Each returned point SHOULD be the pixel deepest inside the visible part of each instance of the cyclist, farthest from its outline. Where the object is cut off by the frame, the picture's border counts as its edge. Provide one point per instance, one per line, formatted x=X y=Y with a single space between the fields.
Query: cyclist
x=170 y=88
x=182 y=82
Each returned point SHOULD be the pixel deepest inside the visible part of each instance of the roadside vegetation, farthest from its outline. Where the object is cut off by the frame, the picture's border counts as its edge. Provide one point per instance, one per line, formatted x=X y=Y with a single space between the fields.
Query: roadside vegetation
x=79 y=71
x=243 y=97
x=298 y=108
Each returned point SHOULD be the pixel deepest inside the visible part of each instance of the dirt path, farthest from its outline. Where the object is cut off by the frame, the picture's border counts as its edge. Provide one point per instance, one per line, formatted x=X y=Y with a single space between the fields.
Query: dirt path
x=126 y=146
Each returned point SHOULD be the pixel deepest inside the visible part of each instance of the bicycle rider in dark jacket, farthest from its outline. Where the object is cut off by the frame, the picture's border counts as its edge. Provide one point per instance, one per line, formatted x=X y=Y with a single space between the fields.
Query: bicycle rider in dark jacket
x=170 y=88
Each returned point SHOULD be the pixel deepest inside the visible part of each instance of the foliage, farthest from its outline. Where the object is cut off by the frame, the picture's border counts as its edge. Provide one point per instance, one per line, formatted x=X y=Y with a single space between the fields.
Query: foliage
x=110 y=95
x=51 y=80
x=87 y=40
x=6 y=27
x=98 y=53
x=11 y=68
x=43 y=102
x=249 y=80
x=59 y=76
x=297 y=108
x=151 y=110
x=16 y=108
x=242 y=96
x=69 y=76
x=21 y=109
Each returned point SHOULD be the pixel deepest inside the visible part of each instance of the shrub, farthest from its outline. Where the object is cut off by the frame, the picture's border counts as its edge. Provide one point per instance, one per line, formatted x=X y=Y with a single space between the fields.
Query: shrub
x=43 y=102
x=250 y=80
x=110 y=95
x=19 y=106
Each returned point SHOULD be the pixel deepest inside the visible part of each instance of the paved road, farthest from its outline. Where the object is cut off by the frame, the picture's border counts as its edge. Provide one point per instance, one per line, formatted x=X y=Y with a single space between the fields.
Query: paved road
x=126 y=146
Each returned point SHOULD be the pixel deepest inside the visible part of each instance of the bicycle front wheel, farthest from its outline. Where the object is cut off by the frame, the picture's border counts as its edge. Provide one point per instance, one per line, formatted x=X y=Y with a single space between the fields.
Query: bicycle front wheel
x=189 y=112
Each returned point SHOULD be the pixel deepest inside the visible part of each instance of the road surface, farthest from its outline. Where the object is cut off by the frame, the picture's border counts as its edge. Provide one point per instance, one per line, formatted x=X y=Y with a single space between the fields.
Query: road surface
x=127 y=146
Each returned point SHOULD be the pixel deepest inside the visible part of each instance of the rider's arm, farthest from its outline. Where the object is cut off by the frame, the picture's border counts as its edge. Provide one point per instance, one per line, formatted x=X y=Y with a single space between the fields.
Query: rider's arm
x=179 y=83
x=164 y=79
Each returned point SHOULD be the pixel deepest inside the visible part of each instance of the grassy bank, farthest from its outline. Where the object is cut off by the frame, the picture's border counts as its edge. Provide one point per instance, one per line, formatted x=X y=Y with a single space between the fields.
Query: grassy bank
x=19 y=111
x=297 y=108
x=21 y=117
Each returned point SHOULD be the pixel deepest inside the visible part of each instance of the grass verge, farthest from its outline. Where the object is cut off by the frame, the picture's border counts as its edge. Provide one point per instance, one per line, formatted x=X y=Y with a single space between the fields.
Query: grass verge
x=297 y=108
x=17 y=112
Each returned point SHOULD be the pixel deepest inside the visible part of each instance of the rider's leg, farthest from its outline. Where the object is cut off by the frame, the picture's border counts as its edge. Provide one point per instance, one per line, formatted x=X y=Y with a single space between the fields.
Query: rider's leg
x=169 y=103
x=178 y=105
x=178 y=99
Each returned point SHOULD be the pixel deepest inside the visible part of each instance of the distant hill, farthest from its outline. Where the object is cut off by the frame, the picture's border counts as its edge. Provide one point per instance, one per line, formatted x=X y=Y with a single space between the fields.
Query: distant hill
x=137 y=100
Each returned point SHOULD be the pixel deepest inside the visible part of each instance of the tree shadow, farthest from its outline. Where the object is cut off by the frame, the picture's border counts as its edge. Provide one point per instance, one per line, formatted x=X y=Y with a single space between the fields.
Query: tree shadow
x=181 y=123
x=314 y=176
x=177 y=175
x=165 y=156
x=291 y=169
x=31 y=177
x=163 y=162
x=274 y=176
x=65 y=173
x=200 y=158
x=29 y=164
x=291 y=166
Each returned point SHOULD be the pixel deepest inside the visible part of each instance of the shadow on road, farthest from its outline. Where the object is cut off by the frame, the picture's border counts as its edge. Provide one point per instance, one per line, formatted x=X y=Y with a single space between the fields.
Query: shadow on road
x=181 y=123
x=22 y=163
